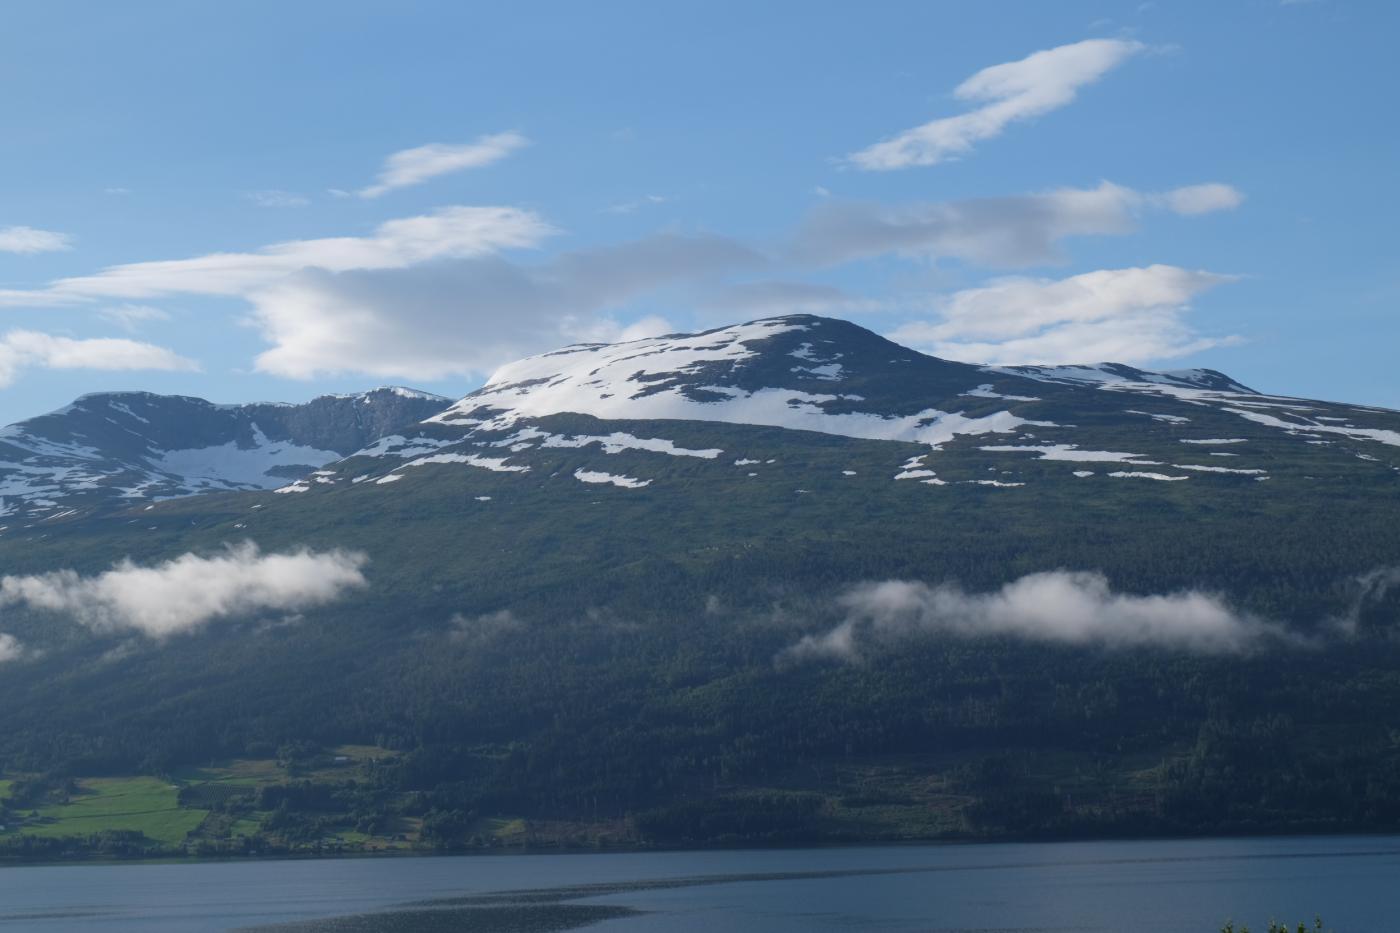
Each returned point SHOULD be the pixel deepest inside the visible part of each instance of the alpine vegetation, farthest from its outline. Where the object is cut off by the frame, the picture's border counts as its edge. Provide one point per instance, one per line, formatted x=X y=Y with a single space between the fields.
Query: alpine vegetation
x=188 y=591
x=1078 y=608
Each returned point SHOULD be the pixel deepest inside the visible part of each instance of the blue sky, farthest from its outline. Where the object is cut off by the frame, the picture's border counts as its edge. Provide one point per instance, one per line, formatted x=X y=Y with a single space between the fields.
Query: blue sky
x=1170 y=184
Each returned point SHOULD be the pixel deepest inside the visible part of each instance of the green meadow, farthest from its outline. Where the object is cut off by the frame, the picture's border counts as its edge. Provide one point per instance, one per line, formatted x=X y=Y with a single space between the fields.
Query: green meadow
x=138 y=804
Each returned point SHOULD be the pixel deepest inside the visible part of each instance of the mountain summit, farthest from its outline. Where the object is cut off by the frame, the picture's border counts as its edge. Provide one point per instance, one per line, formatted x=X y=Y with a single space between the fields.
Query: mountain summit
x=954 y=422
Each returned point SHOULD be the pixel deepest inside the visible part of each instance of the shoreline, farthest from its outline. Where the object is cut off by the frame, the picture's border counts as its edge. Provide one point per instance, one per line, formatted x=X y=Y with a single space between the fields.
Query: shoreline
x=107 y=861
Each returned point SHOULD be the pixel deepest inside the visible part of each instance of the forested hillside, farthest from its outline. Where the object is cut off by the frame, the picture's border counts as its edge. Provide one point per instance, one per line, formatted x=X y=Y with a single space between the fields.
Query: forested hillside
x=767 y=634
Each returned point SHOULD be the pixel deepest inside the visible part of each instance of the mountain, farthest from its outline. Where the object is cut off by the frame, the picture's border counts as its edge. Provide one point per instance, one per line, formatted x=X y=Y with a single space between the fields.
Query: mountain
x=784 y=581
x=116 y=448
x=960 y=422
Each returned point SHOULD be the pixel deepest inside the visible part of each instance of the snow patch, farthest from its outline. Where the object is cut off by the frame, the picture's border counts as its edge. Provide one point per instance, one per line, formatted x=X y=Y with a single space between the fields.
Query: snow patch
x=595 y=476
x=496 y=464
x=985 y=391
x=1071 y=452
x=618 y=441
x=1216 y=469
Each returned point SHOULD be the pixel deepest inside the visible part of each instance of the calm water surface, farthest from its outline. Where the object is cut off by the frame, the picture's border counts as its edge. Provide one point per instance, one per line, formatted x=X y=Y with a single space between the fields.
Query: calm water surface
x=1112 y=887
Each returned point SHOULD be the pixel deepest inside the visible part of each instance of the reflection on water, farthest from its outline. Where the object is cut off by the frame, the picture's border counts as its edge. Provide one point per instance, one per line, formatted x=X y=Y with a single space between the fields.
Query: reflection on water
x=524 y=918
x=1108 y=887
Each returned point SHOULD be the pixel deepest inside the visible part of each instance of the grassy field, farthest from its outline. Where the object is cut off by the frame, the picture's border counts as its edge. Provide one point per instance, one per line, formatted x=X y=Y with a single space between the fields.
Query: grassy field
x=143 y=804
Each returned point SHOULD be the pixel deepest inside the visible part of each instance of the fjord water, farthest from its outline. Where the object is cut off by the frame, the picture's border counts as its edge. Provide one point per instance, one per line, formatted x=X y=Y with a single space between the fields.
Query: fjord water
x=1177 y=886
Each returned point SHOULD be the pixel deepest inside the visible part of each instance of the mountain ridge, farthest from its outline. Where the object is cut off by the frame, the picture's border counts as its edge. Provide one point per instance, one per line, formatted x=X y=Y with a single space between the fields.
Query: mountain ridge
x=793 y=372
x=106 y=447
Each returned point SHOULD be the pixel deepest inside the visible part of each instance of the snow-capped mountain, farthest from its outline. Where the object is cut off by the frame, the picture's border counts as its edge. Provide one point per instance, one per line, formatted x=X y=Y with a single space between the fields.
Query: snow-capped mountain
x=629 y=415
x=811 y=374
x=123 y=446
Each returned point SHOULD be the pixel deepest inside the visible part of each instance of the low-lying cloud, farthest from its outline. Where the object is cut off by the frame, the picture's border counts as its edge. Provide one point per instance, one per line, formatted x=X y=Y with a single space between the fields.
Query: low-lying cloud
x=10 y=648
x=1367 y=590
x=189 y=591
x=1073 y=608
x=480 y=629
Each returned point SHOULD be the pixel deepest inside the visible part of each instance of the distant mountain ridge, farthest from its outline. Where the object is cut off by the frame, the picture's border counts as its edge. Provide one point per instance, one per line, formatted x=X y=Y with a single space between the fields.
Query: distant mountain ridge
x=110 y=448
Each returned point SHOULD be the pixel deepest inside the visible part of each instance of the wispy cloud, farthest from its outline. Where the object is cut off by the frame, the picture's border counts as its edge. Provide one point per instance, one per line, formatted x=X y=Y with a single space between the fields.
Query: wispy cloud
x=630 y=207
x=1007 y=232
x=189 y=591
x=27 y=240
x=1009 y=92
x=1201 y=199
x=275 y=198
x=409 y=167
x=130 y=317
x=423 y=296
x=449 y=233
x=26 y=349
x=1368 y=590
x=471 y=316
x=432 y=295
x=1124 y=315
x=1059 y=606
x=10 y=648
x=480 y=630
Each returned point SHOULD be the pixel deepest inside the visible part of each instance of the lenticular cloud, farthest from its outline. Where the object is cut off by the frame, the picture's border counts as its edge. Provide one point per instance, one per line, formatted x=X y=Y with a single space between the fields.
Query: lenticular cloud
x=189 y=591
x=1060 y=606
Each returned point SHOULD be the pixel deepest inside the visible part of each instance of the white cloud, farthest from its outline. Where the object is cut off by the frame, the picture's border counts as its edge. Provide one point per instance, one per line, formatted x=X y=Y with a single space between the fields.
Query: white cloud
x=469 y=317
x=1060 y=606
x=449 y=233
x=10 y=648
x=26 y=240
x=189 y=591
x=427 y=296
x=1007 y=232
x=1122 y=315
x=130 y=317
x=1035 y=85
x=22 y=349
x=421 y=297
x=629 y=207
x=1201 y=199
x=274 y=198
x=415 y=166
